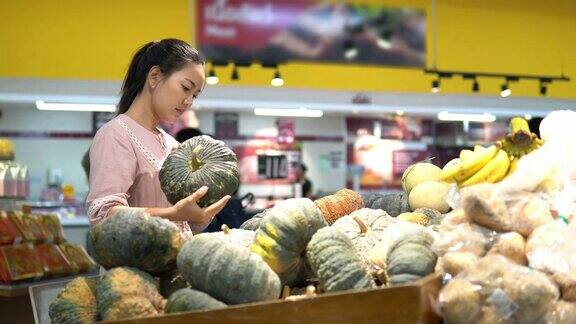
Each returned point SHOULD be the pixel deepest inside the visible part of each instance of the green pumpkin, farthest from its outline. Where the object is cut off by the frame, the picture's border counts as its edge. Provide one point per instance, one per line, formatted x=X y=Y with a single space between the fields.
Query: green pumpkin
x=411 y=258
x=283 y=236
x=125 y=293
x=76 y=303
x=131 y=237
x=200 y=161
x=254 y=223
x=172 y=282
x=187 y=299
x=227 y=272
x=393 y=203
x=336 y=262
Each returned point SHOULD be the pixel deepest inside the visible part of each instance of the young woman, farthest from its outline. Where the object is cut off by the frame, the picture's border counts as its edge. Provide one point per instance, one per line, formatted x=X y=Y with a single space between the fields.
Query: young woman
x=163 y=79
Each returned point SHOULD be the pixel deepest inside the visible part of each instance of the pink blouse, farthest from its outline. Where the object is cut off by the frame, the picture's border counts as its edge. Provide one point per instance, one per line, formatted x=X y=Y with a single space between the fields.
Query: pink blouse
x=125 y=159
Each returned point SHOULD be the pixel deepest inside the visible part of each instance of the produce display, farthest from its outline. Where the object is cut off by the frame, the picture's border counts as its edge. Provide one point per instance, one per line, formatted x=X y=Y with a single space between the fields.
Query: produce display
x=76 y=303
x=200 y=161
x=498 y=222
x=33 y=247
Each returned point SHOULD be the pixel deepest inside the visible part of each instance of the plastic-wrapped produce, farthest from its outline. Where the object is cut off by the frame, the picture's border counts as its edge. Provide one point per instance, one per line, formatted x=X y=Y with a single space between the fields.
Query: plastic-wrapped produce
x=497 y=290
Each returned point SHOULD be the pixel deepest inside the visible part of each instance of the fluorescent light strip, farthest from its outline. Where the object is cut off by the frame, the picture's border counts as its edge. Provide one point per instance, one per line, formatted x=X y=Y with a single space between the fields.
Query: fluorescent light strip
x=41 y=105
x=302 y=112
x=482 y=118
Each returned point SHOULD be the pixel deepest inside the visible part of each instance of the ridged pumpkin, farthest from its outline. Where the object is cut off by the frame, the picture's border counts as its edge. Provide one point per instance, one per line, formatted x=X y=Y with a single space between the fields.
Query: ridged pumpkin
x=410 y=259
x=364 y=228
x=131 y=237
x=125 y=293
x=254 y=223
x=187 y=299
x=200 y=161
x=393 y=203
x=76 y=303
x=227 y=272
x=336 y=263
x=283 y=236
x=391 y=237
x=342 y=203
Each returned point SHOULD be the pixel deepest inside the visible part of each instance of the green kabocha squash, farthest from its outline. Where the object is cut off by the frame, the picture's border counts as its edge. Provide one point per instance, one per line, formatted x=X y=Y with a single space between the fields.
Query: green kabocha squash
x=283 y=236
x=393 y=240
x=172 y=282
x=200 y=161
x=185 y=300
x=76 y=303
x=254 y=223
x=410 y=259
x=336 y=262
x=125 y=293
x=131 y=237
x=364 y=228
x=227 y=272
x=342 y=203
x=393 y=203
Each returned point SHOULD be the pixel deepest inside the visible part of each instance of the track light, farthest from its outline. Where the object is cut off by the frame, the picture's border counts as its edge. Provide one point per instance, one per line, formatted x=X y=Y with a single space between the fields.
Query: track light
x=475 y=86
x=505 y=90
x=235 y=76
x=543 y=88
x=350 y=50
x=277 y=81
x=212 y=79
x=385 y=39
x=435 y=86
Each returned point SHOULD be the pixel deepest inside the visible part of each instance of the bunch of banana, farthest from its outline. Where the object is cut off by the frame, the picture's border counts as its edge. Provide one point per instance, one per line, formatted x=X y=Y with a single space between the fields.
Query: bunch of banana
x=489 y=164
x=520 y=141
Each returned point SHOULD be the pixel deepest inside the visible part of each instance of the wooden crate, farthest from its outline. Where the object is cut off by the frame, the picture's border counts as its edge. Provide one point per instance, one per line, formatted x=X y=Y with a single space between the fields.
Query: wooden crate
x=402 y=304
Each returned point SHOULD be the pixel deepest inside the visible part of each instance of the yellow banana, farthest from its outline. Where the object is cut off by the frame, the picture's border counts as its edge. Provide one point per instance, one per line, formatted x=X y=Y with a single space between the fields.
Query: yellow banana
x=465 y=154
x=513 y=165
x=478 y=148
x=492 y=171
x=463 y=170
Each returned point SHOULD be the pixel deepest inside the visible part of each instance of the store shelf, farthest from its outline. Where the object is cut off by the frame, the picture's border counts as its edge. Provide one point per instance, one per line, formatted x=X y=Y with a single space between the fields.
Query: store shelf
x=21 y=289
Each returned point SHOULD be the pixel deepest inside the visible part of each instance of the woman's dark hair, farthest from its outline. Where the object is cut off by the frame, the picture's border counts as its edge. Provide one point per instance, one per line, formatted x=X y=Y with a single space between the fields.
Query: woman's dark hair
x=169 y=55
x=187 y=133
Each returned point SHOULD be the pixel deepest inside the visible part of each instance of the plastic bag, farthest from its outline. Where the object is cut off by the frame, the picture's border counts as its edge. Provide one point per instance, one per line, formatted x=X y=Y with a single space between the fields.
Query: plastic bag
x=488 y=205
x=551 y=168
x=561 y=312
x=497 y=291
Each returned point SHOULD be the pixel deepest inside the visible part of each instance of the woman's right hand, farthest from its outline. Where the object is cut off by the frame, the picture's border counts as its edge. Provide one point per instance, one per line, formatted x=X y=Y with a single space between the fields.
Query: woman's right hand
x=188 y=210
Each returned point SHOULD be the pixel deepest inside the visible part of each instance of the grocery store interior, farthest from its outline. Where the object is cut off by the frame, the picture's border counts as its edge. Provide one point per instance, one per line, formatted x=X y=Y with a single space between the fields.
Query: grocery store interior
x=311 y=96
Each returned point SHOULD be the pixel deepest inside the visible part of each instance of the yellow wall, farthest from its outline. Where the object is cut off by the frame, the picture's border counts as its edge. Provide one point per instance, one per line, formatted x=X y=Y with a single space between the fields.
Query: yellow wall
x=95 y=39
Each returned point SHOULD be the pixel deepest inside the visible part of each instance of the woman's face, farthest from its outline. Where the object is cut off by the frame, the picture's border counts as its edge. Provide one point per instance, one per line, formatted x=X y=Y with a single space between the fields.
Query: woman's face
x=174 y=94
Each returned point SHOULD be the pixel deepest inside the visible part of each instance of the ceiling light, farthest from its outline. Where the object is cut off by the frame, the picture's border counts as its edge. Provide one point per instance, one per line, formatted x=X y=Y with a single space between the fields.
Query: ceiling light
x=481 y=118
x=280 y=112
x=350 y=50
x=277 y=81
x=475 y=86
x=41 y=105
x=505 y=90
x=543 y=88
x=235 y=75
x=435 y=86
x=400 y=112
x=527 y=116
x=212 y=79
x=384 y=40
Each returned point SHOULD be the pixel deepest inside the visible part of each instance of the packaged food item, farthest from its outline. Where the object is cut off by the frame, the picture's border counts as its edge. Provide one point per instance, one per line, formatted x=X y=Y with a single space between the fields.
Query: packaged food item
x=9 y=233
x=496 y=290
x=52 y=223
x=53 y=261
x=22 y=262
x=34 y=223
x=4 y=277
x=27 y=233
x=77 y=257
